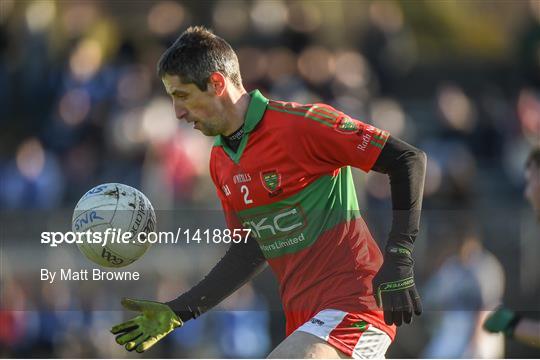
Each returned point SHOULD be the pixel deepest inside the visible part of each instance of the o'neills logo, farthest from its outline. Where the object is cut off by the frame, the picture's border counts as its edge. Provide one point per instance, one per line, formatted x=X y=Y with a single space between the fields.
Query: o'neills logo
x=241 y=178
x=366 y=138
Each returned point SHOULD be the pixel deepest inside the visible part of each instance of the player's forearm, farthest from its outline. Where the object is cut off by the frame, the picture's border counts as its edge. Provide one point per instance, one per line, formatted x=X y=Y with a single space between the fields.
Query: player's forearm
x=406 y=168
x=528 y=331
x=240 y=264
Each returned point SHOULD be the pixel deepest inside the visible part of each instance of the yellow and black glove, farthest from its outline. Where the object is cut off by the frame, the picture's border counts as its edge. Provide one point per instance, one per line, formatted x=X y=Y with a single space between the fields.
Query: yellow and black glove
x=142 y=332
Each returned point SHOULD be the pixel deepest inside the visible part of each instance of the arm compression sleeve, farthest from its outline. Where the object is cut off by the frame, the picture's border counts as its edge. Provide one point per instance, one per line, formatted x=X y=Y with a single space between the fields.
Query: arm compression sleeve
x=241 y=263
x=406 y=167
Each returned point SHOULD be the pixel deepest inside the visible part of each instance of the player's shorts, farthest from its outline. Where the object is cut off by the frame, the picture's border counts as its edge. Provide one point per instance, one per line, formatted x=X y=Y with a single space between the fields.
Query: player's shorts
x=348 y=333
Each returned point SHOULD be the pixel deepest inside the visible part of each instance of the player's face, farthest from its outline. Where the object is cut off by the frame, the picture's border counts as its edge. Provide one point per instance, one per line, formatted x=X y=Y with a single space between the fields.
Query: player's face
x=203 y=109
x=532 y=188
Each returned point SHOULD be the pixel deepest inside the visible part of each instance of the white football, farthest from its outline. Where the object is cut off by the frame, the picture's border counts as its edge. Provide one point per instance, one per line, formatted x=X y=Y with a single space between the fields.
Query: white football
x=116 y=207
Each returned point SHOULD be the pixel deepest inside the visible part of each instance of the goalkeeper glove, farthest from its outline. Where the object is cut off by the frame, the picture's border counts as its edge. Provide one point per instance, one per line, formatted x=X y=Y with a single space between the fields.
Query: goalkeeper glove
x=144 y=331
x=502 y=320
x=394 y=287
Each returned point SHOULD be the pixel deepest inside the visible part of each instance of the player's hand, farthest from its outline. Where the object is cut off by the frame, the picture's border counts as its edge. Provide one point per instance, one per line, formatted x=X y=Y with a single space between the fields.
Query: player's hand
x=144 y=331
x=394 y=288
x=502 y=320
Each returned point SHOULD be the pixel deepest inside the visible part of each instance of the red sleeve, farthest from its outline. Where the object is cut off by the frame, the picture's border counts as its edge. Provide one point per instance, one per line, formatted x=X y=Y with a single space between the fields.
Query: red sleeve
x=230 y=215
x=325 y=139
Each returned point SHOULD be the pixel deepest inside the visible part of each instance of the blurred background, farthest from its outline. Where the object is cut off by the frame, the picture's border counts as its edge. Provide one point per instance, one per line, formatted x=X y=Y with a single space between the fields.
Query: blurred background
x=80 y=105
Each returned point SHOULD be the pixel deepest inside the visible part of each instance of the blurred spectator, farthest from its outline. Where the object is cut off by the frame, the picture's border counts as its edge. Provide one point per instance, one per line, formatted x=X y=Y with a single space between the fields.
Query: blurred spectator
x=241 y=331
x=458 y=296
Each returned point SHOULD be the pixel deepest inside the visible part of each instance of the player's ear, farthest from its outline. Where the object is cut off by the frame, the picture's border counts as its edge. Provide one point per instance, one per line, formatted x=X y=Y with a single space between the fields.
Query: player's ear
x=217 y=82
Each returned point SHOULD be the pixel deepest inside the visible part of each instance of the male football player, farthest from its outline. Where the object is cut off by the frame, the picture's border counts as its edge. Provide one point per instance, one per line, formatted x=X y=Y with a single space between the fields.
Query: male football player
x=505 y=320
x=282 y=170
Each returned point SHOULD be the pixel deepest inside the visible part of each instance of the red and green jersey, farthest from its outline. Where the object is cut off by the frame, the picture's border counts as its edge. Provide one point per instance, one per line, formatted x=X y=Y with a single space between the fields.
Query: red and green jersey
x=290 y=182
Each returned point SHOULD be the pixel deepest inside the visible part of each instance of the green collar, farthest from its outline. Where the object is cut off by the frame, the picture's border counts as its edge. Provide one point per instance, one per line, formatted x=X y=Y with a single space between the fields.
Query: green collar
x=255 y=112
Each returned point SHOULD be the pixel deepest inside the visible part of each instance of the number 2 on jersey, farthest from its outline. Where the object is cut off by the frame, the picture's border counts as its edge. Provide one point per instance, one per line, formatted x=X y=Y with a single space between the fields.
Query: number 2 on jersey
x=245 y=191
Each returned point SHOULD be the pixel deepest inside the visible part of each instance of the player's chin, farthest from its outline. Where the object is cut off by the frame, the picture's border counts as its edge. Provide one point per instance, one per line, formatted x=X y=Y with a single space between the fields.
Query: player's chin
x=207 y=132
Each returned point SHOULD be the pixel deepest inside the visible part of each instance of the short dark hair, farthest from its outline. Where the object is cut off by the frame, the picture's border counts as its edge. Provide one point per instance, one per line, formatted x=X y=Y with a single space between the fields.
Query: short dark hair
x=533 y=158
x=196 y=54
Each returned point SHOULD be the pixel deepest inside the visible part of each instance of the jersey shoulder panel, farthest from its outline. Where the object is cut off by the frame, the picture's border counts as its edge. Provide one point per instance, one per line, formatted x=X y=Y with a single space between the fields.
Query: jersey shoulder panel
x=319 y=113
x=320 y=135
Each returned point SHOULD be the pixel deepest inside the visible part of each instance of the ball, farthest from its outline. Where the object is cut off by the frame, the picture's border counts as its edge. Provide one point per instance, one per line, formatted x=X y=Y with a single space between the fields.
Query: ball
x=110 y=211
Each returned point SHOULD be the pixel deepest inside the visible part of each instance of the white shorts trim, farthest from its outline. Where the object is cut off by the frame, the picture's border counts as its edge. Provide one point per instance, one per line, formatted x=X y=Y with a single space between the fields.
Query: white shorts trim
x=372 y=343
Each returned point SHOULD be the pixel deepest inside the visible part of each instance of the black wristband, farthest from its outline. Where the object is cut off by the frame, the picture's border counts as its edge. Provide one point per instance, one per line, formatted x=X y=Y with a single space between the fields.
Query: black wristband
x=397 y=250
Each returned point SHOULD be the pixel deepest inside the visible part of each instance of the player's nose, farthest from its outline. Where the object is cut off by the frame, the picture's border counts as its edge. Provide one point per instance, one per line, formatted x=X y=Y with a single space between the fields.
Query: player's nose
x=181 y=114
x=179 y=109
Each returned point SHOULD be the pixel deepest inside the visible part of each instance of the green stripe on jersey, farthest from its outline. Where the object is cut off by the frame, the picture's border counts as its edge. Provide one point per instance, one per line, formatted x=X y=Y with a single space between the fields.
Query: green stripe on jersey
x=376 y=144
x=318 y=110
x=307 y=114
x=295 y=223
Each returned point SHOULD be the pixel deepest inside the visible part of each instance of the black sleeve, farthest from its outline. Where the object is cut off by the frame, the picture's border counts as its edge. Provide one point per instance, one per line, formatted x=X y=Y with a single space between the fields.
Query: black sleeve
x=241 y=263
x=406 y=167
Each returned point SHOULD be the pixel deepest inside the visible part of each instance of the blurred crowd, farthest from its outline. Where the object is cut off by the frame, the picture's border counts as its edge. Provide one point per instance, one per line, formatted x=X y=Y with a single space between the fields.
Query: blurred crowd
x=81 y=105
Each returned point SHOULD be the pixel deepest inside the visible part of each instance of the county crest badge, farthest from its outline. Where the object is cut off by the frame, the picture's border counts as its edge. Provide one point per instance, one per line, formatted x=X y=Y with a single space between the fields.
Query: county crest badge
x=346 y=125
x=271 y=180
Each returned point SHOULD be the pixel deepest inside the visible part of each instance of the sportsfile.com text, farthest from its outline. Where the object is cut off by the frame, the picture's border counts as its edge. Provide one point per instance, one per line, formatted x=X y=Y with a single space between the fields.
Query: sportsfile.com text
x=117 y=236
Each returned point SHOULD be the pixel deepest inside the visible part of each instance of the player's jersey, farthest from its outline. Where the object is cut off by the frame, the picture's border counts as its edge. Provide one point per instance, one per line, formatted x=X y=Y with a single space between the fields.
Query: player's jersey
x=291 y=184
